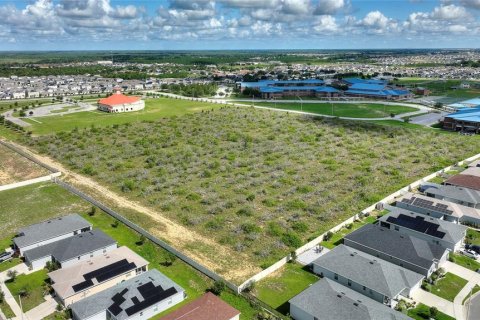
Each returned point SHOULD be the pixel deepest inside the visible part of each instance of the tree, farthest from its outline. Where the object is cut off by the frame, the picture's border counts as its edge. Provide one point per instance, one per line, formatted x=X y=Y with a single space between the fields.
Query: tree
x=2 y=296
x=141 y=240
x=115 y=224
x=12 y=274
x=169 y=259
x=92 y=211
x=218 y=287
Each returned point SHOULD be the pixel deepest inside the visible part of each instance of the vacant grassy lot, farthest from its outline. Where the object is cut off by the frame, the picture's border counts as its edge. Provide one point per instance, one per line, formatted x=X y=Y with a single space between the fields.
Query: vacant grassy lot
x=15 y=168
x=422 y=312
x=32 y=204
x=154 y=109
x=449 y=286
x=257 y=181
x=31 y=287
x=360 y=110
x=283 y=285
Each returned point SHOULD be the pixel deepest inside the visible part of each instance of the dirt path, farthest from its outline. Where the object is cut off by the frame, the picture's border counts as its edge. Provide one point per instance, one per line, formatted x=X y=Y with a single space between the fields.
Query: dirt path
x=231 y=265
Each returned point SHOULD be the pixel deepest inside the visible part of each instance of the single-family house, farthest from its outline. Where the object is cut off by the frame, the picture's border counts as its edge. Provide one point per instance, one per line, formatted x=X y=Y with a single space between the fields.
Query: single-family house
x=327 y=299
x=447 y=234
x=439 y=209
x=88 y=277
x=49 y=231
x=460 y=195
x=139 y=298
x=375 y=278
x=72 y=250
x=404 y=250
x=465 y=181
x=207 y=307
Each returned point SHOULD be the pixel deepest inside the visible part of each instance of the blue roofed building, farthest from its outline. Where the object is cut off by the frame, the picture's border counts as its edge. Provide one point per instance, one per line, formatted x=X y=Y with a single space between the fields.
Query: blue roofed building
x=375 y=89
x=272 y=89
x=465 y=119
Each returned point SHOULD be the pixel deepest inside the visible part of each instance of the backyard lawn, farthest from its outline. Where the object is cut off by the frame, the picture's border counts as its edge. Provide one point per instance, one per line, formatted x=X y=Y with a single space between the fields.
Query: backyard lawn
x=31 y=287
x=360 y=110
x=7 y=311
x=449 y=286
x=337 y=237
x=283 y=285
x=473 y=237
x=422 y=312
x=154 y=110
x=465 y=261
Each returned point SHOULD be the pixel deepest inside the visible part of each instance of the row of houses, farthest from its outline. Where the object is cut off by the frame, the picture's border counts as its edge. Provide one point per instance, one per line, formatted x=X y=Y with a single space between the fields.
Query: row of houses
x=379 y=264
x=97 y=280
x=355 y=87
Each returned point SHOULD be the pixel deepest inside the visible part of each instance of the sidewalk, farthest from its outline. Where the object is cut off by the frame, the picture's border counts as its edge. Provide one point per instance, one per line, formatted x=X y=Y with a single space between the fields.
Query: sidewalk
x=43 y=310
x=21 y=269
x=432 y=300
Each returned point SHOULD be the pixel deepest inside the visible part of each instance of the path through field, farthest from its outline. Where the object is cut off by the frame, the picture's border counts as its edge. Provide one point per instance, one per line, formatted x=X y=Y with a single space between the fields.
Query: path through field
x=231 y=265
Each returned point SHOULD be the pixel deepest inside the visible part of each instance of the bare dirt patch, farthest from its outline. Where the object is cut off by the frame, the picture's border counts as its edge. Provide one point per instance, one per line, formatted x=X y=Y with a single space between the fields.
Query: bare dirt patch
x=15 y=168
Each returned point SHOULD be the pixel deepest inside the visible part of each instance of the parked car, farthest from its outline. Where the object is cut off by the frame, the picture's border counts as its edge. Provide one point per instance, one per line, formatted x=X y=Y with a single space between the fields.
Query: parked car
x=473 y=247
x=470 y=253
x=4 y=256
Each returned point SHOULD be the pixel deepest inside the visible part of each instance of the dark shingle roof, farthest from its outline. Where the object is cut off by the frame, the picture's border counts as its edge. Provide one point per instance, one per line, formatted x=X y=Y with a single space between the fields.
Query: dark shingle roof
x=401 y=246
x=71 y=247
x=327 y=297
x=129 y=297
x=367 y=270
x=464 y=180
x=50 y=229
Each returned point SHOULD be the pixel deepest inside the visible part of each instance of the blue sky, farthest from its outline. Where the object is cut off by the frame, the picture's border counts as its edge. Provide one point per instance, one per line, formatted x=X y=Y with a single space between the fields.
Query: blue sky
x=237 y=24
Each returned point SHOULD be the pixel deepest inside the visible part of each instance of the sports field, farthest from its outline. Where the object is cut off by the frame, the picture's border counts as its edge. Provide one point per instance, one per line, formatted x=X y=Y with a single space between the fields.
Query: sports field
x=360 y=110
x=154 y=110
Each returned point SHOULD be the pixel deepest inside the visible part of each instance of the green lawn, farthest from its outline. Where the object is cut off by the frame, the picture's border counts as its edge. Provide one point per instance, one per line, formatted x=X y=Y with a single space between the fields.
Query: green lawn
x=422 y=312
x=437 y=180
x=32 y=204
x=465 y=261
x=154 y=110
x=283 y=285
x=7 y=311
x=33 y=284
x=473 y=237
x=360 y=110
x=338 y=236
x=471 y=293
x=194 y=283
x=449 y=286
x=9 y=264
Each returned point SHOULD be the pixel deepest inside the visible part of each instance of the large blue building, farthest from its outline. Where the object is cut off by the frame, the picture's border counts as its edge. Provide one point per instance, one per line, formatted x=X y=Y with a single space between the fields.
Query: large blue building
x=364 y=88
x=465 y=119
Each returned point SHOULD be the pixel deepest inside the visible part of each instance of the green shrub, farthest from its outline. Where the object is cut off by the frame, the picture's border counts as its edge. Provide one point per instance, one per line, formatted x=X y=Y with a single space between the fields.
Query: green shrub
x=291 y=239
x=246 y=212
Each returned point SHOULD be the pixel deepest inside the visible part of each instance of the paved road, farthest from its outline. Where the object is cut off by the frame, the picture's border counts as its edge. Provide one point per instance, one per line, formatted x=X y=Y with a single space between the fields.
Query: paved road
x=428 y=119
x=9 y=116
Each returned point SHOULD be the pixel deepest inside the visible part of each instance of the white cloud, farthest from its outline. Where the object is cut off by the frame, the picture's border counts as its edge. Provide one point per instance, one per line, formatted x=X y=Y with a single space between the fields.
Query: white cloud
x=449 y=12
x=326 y=23
x=329 y=6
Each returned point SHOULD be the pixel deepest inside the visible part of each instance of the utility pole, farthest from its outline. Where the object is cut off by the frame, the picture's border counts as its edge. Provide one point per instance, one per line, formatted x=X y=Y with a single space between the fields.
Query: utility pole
x=301 y=103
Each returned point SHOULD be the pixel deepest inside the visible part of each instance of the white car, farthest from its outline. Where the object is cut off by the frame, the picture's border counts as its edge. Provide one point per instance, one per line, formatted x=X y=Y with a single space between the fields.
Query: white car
x=470 y=253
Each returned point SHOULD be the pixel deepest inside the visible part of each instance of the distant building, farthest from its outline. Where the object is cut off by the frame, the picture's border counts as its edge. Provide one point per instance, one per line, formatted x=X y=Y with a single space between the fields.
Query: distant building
x=207 y=307
x=139 y=298
x=118 y=102
x=375 y=89
x=460 y=195
x=86 y=278
x=464 y=119
x=421 y=91
x=49 y=231
x=271 y=89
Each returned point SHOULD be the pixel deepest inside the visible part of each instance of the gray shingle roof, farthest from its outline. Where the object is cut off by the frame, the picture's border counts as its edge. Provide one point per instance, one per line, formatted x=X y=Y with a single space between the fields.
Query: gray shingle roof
x=103 y=300
x=71 y=247
x=50 y=229
x=454 y=192
x=452 y=232
x=327 y=297
x=401 y=246
x=367 y=270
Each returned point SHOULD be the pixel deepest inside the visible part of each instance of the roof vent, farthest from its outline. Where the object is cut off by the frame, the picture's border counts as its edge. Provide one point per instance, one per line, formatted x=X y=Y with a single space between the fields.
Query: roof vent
x=371 y=262
x=355 y=304
x=49 y=221
x=339 y=295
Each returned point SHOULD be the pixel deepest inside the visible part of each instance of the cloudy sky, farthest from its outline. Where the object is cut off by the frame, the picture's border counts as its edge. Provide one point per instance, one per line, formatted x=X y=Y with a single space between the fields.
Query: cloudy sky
x=237 y=24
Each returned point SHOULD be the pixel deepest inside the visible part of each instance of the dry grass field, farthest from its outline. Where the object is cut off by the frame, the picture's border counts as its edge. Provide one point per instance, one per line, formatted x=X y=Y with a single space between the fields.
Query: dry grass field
x=255 y=182
x=15 y=168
